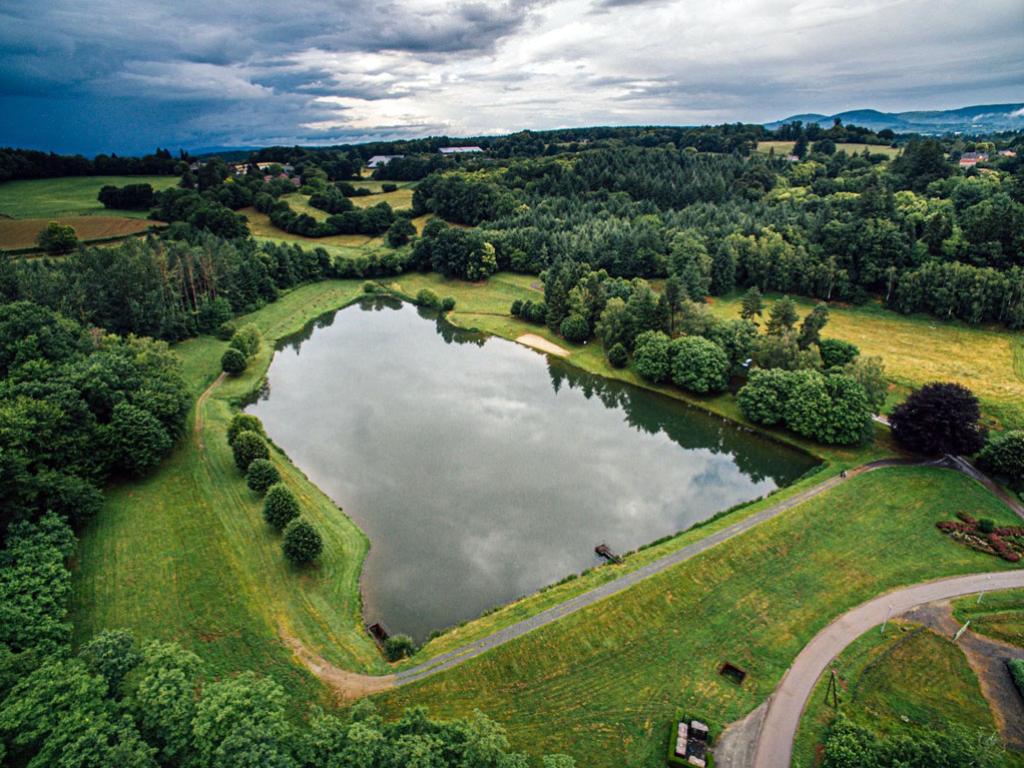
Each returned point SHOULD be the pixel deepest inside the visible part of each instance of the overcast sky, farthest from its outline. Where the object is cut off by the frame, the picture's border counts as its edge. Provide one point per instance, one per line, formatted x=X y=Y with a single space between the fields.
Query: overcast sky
x=127 y=75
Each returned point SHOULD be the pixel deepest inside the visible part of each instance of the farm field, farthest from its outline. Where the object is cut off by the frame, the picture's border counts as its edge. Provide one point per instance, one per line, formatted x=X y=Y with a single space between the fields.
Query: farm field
x=786 y=147
x=70 y=196
x=919 y=349
x=897 y=684
x=606 y=681
x=400 y=199
x=20 y=234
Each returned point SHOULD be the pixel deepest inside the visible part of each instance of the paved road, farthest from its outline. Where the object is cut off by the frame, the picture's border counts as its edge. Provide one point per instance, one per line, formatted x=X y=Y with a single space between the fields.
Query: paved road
x=775 y=741
x=453 y=658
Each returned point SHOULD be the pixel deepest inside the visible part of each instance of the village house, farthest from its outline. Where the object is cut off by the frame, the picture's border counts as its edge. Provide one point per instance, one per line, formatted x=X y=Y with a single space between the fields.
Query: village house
x=971 y=159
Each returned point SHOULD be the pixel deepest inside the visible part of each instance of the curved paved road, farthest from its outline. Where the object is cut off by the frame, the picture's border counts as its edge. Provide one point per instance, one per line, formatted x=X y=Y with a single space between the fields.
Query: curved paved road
x=775 y=741
x=459 y=655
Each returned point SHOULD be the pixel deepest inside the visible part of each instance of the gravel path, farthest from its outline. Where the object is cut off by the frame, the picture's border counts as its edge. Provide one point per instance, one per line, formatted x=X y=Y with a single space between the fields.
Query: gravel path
x=775 y=740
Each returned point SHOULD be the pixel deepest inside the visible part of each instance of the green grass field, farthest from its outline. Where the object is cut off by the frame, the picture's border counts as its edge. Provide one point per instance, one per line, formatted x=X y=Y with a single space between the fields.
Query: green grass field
x=185 y=555
x=918 y=349
x=602 y=684
x=786 y=147
x=69 y=196
x=897 y=684
x=999 y=615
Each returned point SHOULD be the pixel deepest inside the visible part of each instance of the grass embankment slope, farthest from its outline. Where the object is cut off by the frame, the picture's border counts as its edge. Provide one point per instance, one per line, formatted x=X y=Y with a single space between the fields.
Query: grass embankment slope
x=70 y=196
x=603 y=684
x=918 y=349
x=999 y=615
x=898 y=684
x=185 y=554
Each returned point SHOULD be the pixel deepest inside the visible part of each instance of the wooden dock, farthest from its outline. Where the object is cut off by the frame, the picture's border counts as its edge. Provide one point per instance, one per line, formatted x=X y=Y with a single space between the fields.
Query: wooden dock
x=603 y=550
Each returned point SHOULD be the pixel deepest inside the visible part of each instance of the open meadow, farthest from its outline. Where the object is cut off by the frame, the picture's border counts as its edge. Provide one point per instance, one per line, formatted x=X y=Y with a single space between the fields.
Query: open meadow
x=21 y=234
x=786 y=147
x=70 y=196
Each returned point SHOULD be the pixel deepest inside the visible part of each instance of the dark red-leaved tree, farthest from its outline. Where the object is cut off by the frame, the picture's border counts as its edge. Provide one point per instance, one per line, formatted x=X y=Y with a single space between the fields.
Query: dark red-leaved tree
x=939 y=419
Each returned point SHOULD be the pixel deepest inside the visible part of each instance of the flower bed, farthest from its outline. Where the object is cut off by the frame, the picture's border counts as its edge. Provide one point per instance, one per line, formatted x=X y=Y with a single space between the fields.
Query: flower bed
x=1006 y=542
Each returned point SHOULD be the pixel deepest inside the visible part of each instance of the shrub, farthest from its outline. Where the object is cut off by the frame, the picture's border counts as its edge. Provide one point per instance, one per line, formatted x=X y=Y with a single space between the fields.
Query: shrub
x=247 y=340
x=248 y=447
x=233 y=362
x=535 y=312
x=1004 y=455
x=427 y=298
x=226 y=331
x=302 y=543
x=618 y=356
x=369 y=287
x=280 y=506
x=388 y=187
x=398 y=647
x=447 y=303
x=244 y=422
x=261 y=474
x=57 y=238
x=836 y=352
x=939 y=419
x=1017 y=672
x=517 y=308
x=575 y=329
x=986 y=525
x=650 y=356
x=400 y=232
x=699 y=365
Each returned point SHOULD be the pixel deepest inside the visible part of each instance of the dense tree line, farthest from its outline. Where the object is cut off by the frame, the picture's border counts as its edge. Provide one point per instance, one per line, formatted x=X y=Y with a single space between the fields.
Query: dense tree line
x=32 y=164
x=78 y=406
x=165 y=288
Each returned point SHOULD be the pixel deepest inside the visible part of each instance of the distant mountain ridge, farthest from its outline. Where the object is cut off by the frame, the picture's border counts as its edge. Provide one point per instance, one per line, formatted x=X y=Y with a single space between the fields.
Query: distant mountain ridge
x=980 y=118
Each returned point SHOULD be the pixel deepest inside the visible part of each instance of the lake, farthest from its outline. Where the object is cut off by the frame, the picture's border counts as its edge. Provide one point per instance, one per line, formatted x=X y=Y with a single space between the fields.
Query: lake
x=482 y=470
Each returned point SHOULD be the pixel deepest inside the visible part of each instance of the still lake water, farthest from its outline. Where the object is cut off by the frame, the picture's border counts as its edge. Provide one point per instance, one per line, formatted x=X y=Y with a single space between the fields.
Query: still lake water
x=482 y=470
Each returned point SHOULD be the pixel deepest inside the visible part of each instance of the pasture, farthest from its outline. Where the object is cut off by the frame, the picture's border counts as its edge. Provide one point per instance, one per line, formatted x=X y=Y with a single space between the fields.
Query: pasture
x=21 y=234
x=786 y=147
x=70 y=196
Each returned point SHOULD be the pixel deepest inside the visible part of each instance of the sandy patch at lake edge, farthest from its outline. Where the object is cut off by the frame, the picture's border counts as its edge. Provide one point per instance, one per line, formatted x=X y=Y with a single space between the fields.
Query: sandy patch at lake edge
x=539 y=342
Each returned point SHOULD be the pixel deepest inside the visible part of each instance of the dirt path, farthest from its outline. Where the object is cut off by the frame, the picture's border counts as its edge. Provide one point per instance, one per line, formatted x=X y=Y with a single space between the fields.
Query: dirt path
x=197 y=424
x=786 y=704
x=345 y=685
x=539 y=342
x=987 y=658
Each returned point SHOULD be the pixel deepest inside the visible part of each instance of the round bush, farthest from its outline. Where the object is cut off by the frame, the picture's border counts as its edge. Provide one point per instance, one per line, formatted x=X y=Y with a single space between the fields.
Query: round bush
x=244 y=422
x=398 y=647
x=233 y=362
x=699 y=365
x=261 y=474
x=447 y=303
x=575 y=329
x=427 y=298
x=226 y=331
x=248 y=447
x=302 y=544
x=247 y=340
x=516 y=310
x=1004 y=455
x=280 y=506
x=939 y=418
x=651 y=357
x=836 y=352
x=618 y=356
x=369 y=287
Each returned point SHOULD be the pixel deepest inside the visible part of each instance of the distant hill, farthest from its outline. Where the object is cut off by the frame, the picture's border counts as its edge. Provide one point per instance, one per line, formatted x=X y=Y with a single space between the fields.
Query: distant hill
x=980 y=118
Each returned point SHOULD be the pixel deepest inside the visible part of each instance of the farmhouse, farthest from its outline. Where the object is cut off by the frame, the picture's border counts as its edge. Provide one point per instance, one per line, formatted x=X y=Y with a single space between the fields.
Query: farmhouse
x=378 y=160
x=458 y=150
x=971 y=159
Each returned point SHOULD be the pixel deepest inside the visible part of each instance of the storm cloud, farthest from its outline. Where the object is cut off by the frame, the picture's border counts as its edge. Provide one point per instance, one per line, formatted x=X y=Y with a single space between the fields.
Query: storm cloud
x=127 y=75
